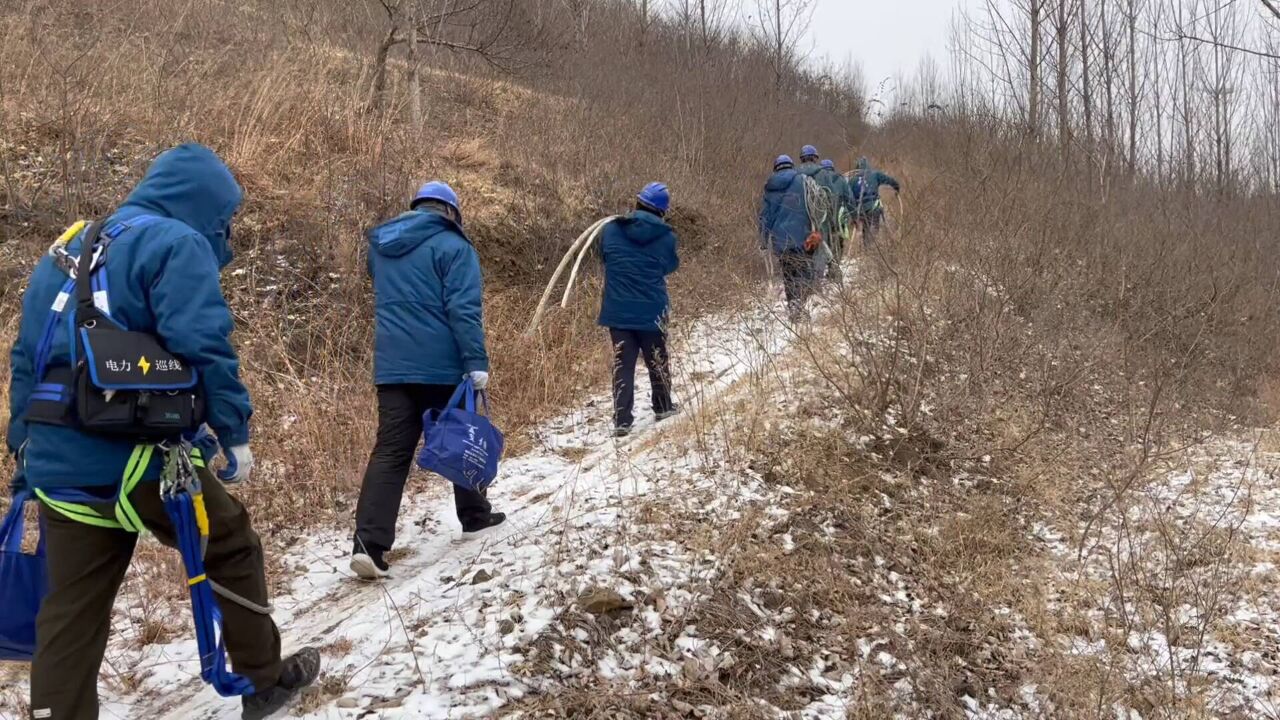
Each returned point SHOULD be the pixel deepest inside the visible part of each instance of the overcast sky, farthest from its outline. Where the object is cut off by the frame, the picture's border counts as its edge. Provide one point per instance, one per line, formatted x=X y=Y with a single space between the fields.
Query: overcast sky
x=886 y=36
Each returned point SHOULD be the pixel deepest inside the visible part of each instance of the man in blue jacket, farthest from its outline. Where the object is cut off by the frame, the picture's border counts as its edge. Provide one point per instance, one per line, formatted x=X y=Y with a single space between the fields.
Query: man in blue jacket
x=865 y=182
x=841 y=210
x=168 y=243
x=811 y=167
x=428 y=338
x=784 y=225
x=639 y=252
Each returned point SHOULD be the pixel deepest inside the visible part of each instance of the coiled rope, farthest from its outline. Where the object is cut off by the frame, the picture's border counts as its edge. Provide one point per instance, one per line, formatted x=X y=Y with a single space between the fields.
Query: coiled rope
x=580 y=247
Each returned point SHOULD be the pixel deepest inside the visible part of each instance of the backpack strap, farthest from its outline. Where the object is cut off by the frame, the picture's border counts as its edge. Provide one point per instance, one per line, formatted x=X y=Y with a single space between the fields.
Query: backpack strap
x=92 y=247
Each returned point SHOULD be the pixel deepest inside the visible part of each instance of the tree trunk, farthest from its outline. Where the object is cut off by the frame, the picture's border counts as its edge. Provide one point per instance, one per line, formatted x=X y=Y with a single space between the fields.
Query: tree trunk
x=1086 y=88
x=377 y=96
x=1188 y=120
x=1158 y=79
x=778 y=43
x=415 y=83
x=1064 y=119
x=1108 y=82
x=702 y=18
x=1033 y=103
x=1134 y=96
x=1188 y=131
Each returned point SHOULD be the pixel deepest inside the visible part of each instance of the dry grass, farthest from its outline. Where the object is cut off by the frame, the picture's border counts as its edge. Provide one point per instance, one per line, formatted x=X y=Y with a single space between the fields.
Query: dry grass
x=534 y=163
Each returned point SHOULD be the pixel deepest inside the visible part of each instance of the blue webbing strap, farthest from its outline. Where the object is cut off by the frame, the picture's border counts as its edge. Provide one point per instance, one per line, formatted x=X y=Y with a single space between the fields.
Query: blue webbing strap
x=50 y=327
x=182 y=510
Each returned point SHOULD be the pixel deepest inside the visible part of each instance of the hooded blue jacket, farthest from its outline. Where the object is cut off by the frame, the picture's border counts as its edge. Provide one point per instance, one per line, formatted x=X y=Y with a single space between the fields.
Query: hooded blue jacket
x=639 y=252
x=865 y=185
x=784 y=217
x=162 y=278
x=428 y=301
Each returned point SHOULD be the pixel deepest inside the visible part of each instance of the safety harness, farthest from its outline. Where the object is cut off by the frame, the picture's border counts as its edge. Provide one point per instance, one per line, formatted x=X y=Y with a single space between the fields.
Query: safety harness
x=180 y=487
x=75 y=504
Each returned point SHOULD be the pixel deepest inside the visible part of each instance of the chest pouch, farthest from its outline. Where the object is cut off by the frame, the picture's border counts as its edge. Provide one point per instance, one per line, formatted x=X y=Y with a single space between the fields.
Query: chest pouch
x=125 y=384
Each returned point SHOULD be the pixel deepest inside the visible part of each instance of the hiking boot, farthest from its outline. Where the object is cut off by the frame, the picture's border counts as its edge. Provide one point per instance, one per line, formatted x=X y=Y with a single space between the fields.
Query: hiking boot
x=673 y=411
x=476 y=527
x=622 y=431
x=300 y=670
x=367 y=562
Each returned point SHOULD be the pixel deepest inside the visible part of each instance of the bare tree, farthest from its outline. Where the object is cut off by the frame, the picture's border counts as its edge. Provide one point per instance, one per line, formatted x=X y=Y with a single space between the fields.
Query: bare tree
x=1185 y=81
x=1132 y=11
x=415 y=80
x=1035 y=62
x=710 y=20
x=780 y=26
x=646 y=10
x=579 y=12
x=1086 y=87
x=1224 y=31
x=1157 y=71
x=1062 y=33
x=1108 y=81
x=1166 y=88
x=498 y=32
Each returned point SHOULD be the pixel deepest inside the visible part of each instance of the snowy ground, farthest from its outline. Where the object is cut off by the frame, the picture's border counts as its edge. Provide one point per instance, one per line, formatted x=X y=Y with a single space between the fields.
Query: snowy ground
x=591 y=581
x=1170 y=593
x=447 y=635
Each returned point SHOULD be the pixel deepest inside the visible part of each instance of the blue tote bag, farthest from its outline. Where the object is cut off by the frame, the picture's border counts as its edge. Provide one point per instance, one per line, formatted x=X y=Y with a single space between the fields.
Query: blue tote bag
x=24 y=580
x=460 y=443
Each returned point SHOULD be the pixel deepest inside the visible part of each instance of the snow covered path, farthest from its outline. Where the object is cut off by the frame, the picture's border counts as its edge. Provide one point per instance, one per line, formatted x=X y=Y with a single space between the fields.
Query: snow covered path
x=440 y=638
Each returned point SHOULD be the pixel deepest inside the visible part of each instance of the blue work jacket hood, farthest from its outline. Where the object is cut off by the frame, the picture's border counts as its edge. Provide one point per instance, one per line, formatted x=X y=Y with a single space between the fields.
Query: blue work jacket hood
x=405 y=233
x=192 y=185
x=643 y=227
x=784 y=216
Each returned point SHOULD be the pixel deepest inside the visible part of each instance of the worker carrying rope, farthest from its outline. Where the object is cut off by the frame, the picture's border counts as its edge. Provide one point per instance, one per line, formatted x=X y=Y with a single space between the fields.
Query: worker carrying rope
x=821 y=200
x=789 y=230
x=638 y=252
x=842 y=209
x=123 y=352
x=865 y=183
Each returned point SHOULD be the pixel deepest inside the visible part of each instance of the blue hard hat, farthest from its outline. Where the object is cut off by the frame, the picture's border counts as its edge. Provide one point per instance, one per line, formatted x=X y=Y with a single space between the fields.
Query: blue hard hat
x=440 y=192
x=808 y=151
x=655 y=195
x=829 y=164
x=783 y=161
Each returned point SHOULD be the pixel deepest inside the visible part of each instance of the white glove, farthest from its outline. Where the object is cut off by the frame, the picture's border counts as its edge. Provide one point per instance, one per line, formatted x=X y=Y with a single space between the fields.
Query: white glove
x=239 y=465
x=479 y=378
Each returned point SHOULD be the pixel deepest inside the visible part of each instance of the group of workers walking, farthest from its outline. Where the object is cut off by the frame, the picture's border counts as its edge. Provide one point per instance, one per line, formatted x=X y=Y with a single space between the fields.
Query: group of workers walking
x=151 y=282
x=807 y=216
x=155 y=264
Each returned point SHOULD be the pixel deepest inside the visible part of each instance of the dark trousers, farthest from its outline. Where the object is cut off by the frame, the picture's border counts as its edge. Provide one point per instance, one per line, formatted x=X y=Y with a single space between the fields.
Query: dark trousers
x=87 y=565
x=400 y=411
x=627 y=346
x=871 y=221
x=797 y=277
x=834 y=270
